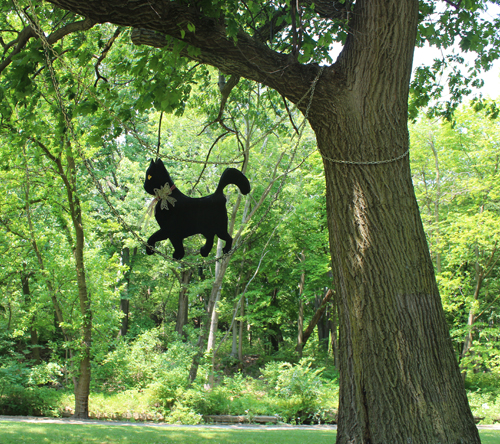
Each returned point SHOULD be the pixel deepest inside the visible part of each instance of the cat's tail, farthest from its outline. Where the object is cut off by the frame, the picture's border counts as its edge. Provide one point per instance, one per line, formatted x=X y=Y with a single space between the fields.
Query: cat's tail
x=234 y=177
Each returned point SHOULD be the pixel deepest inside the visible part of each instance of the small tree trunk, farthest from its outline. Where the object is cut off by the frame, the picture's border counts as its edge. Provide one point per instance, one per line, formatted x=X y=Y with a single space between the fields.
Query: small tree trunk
x=481 y=274
x=436 y=206
x=183 y=305
x=300 y=322
x=35 y=349
x=234 y=346
x=240 y=332
x=124 y=296
x=82 y=388
x=316 y=317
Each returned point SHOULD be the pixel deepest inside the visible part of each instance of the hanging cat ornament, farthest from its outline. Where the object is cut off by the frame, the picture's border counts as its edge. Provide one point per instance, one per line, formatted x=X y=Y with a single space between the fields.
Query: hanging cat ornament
x=180 y=216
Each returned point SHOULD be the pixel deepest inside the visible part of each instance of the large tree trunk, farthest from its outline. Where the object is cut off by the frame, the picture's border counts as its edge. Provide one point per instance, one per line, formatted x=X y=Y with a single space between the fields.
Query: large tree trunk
x=399 y=377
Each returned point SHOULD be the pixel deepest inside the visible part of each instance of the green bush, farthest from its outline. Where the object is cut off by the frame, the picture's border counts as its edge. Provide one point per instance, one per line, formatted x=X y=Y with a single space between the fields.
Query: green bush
x=29 y=401
x=483 y=391
x=296 y=393
x=20 y=393
x=131 y=365
x=181 y=414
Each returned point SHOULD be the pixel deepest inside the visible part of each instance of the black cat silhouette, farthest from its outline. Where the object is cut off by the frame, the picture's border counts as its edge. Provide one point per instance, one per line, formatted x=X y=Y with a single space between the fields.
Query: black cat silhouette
x=180 y=216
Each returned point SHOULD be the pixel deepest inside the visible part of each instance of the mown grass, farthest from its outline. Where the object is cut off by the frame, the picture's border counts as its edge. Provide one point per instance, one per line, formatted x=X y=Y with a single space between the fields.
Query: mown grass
x=29 y=433
x=46 y=433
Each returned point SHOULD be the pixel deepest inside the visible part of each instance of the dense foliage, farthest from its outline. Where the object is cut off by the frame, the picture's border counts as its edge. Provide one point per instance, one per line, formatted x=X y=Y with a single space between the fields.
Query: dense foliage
x=88 y=159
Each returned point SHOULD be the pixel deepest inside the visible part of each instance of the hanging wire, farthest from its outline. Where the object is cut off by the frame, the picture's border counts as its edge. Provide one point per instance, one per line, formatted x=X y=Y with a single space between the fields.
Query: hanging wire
x=159 y=137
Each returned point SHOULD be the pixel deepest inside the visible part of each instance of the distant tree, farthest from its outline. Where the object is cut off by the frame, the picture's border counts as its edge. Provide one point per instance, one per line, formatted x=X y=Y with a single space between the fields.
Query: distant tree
x=456 y=177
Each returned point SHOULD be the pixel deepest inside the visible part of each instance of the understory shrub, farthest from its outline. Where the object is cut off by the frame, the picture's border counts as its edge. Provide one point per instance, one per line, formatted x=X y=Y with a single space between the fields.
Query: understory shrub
x=132 y=364
x=294 y=393
x=483 y=392
x=20 y=393
x=181 y=414
x=29 y=401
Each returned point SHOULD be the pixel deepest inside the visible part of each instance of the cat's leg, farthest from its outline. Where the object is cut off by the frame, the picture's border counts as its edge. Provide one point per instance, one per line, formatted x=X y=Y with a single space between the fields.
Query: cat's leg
x=205 y=250
x=225 y=236
x=155 y=237
x=178 y=247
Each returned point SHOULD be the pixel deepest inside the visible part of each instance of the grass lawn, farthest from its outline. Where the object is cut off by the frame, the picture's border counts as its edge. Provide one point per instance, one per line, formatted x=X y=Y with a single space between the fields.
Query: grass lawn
x=27 y=433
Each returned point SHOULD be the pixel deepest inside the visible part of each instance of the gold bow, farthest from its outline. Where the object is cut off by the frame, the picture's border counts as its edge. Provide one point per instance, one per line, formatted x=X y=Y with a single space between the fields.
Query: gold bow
x=163 y=195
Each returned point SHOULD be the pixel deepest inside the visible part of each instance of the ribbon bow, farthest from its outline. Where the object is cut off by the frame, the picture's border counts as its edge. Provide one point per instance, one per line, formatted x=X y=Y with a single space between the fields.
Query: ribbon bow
x=163 y=195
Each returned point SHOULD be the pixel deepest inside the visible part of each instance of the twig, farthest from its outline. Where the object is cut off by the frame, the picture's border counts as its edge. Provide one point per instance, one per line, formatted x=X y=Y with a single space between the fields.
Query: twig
x=206 y=162
x=103 y=55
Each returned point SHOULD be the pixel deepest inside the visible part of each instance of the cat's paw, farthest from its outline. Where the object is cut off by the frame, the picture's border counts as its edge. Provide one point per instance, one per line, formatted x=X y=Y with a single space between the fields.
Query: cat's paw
x=226 y=250
x=149 y=250
x=178 y=255
x=204 y=251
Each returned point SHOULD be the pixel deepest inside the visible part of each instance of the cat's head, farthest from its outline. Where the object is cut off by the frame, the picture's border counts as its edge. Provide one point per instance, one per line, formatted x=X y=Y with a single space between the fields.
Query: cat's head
x=156 y=176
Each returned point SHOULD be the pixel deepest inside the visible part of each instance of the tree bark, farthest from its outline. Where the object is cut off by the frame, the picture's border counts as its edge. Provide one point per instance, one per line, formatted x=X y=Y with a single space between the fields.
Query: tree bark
x=182 y=307
x=82 y=388
x=68 y=176
x=400 y=381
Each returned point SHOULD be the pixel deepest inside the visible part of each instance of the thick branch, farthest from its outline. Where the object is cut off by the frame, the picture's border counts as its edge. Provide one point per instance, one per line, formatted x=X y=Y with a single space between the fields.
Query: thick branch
x=28 y=32
x=246 y=56
x=329 y=9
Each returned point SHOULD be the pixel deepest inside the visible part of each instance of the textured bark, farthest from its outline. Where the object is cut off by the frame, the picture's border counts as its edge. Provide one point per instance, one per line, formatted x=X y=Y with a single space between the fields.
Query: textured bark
x=182 y=307
x=400 y=382
x=399 y=377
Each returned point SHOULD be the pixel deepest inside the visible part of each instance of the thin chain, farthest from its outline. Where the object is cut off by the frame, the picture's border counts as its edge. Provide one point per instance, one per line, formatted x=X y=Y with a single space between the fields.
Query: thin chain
x=47 y=48
x=373 y=162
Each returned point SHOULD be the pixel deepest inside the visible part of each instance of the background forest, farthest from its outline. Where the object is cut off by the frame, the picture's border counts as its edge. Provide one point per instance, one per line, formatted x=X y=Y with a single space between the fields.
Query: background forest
x=254 y=332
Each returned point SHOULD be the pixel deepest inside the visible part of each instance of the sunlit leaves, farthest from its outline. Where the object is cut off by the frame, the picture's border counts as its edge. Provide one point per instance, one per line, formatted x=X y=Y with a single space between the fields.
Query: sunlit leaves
x=467 y=27
x=455 y=172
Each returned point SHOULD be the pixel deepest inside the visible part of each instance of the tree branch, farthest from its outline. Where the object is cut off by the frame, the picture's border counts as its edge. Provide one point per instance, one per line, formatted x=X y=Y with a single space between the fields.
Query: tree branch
x=244 y=55
x=103 y=55
x=455 y=5
x=331 y=9
x=28 y=32
x=225 y=89
x=315 y=319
